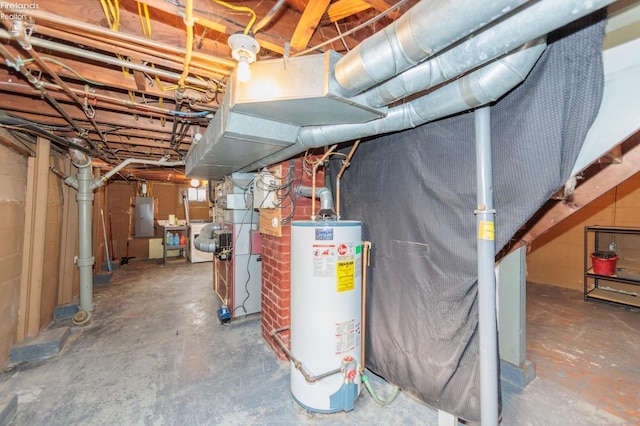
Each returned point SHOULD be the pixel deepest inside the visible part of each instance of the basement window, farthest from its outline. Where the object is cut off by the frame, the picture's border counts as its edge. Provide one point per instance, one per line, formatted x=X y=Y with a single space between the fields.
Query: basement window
x=198 y=195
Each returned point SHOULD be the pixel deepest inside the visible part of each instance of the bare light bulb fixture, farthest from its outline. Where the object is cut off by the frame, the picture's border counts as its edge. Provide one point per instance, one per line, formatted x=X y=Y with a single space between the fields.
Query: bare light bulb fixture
x=195 y=183
x=244 y=72
x=244 y=49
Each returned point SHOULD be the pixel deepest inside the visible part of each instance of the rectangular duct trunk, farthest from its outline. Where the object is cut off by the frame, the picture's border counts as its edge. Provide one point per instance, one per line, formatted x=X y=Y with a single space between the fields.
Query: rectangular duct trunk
x=265 y=115
x=300 y=90
x=233 y=140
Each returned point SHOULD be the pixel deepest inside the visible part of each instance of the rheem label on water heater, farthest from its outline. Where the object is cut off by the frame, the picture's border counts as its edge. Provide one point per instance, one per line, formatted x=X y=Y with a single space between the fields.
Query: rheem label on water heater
x=345 y=271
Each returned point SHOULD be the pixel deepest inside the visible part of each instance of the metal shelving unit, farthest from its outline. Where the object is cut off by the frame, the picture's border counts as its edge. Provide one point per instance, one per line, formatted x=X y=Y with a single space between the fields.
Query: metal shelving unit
x=181 y=248
x=622 y=287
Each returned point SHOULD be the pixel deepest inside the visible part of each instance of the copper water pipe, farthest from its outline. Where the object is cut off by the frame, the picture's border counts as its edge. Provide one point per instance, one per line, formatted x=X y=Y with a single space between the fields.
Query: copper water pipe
x=345 y=164
x=366 y=251
x=313 y=181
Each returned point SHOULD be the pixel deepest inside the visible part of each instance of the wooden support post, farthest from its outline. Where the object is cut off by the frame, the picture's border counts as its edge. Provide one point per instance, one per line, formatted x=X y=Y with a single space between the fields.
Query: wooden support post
x=34 y=239
x=67 y=277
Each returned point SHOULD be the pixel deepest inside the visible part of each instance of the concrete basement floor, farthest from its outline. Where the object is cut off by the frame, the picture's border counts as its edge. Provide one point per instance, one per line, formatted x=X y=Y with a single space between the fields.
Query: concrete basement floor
x=156 y=354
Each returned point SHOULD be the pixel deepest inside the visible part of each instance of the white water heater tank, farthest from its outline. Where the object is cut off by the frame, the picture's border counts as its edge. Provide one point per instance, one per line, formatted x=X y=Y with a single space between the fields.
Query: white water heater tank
x=326 y=304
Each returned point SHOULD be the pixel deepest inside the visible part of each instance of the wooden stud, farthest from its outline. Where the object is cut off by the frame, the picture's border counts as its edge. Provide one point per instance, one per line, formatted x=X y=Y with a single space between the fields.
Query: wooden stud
x=34 y=241
x=67 y=276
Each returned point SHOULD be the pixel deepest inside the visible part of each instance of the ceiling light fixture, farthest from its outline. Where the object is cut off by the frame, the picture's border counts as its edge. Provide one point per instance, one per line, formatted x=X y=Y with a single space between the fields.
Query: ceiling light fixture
x=244 y=49
x=195 y=183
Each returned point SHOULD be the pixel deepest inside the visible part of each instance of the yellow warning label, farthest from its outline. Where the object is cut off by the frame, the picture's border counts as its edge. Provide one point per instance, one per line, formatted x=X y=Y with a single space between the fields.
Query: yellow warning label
x=486 y=230
x=345 y=276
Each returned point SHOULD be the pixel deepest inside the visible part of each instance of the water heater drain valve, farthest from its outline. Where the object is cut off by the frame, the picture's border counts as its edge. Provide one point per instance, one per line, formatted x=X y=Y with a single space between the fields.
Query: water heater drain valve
x=349 y=369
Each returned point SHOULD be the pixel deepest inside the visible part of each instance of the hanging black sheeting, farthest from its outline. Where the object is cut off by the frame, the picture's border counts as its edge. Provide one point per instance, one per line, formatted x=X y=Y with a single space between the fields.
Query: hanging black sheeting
x=415 y=192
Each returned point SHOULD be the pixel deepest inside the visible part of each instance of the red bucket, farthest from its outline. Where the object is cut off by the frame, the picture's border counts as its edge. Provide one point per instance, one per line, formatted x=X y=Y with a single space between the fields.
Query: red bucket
x=604 y=263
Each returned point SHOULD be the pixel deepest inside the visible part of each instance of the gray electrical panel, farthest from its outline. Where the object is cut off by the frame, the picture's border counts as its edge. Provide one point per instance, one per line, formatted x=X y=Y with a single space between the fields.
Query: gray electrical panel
x=144 y=216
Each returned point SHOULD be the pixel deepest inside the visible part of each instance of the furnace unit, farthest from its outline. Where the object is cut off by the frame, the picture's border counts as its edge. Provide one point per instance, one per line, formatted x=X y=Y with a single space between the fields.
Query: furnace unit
x=237 y=273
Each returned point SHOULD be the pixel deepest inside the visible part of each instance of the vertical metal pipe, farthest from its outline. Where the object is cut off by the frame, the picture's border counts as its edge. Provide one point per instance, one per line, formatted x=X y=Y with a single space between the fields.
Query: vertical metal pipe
x=85 y=257
x=485 y=223
x=313 y=180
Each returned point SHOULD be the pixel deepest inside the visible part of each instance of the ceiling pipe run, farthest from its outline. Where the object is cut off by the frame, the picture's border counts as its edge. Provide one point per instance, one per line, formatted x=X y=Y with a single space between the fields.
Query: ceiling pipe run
x=91 y=96
x=129 y=161
x=129 y=41
x=85 y=184
x=483 y=47
x=19 y=33
x=478 y=88
x=110 y=60
x=424 y=30
x=19 y=66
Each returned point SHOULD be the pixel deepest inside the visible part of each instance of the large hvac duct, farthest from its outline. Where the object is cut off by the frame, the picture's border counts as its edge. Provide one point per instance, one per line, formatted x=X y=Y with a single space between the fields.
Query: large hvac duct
x=426 y=29
x=388 y=60
x=476 y=89
x=480 y=49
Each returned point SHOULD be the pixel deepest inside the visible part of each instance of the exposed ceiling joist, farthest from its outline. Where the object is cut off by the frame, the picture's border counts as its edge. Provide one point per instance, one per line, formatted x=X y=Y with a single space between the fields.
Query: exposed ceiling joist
x=308 y=24
x=136 y=112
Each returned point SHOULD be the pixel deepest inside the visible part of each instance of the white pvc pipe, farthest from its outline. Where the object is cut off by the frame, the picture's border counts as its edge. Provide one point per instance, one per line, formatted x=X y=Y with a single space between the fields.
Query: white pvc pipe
x=129 y=161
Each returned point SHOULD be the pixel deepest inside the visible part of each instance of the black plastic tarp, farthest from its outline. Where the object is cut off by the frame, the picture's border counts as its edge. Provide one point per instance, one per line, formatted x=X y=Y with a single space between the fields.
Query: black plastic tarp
x=415 y=192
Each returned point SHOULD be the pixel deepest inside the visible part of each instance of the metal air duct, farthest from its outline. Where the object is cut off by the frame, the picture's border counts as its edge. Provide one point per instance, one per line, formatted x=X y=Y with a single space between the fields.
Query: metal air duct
x=483 y=47
x=476 y=89
x=265 y=114
x=264 y=123
x=424 y=30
